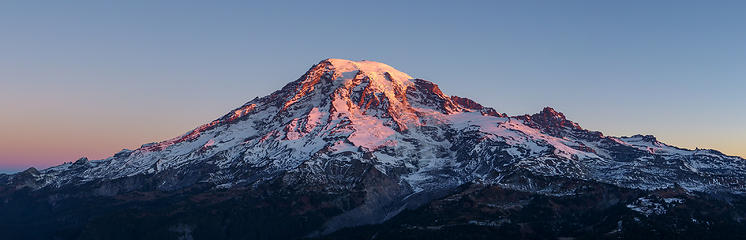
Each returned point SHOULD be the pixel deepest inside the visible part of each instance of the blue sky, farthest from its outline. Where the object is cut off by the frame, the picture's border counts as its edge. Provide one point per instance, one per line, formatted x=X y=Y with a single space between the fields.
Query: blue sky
x=88 y=78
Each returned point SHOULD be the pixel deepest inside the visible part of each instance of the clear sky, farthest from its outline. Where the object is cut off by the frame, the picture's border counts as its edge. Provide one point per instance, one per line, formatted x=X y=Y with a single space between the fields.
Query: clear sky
x=88 y=78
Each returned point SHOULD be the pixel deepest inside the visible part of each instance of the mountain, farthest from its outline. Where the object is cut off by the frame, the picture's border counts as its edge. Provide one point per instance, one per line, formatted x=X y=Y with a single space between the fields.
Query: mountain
x=353 y=149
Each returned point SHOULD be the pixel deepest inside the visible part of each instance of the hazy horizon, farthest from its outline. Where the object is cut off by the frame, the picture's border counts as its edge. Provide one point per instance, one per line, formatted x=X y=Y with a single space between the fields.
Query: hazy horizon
x=93 y=78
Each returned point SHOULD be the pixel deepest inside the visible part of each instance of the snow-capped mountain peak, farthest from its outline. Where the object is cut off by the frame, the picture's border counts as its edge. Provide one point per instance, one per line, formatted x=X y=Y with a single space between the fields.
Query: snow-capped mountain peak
x=343 y=113
x=357 y=142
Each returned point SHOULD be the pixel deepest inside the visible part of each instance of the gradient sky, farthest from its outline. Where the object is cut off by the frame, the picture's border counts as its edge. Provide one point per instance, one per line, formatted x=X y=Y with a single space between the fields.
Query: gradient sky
x=88 y=78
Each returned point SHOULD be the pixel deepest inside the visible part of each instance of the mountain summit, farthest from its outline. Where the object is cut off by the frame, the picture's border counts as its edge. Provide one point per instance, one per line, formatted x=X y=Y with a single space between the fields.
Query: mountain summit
x=351 y=143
